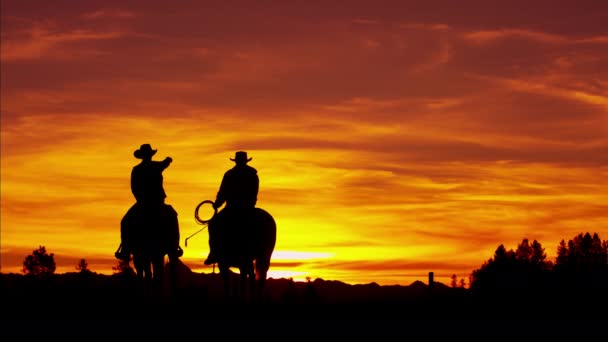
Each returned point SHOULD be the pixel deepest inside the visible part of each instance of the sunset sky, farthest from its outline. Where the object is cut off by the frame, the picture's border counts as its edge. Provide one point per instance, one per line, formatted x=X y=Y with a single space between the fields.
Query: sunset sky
x=391 y=138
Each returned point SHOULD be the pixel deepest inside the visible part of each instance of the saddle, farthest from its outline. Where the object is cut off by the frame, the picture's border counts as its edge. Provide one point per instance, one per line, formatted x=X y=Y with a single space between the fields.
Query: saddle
x=149 y=230
x=237 y=233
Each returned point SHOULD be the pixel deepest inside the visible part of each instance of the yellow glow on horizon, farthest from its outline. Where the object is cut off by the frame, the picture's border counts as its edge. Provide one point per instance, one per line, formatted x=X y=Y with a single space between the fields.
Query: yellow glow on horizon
x=299 y=255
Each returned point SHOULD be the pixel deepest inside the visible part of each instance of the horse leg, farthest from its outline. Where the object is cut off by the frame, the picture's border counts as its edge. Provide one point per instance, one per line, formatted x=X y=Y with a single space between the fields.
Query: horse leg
x=250 y=278
x=172 y=276
x=142 y=269
x=158 y=264
x=139 y=270
x=247 y=282
x=261 y=270
x=251 y=287
x=242 y=285
x=236 y=295
x=225 y=274
x=147 y=279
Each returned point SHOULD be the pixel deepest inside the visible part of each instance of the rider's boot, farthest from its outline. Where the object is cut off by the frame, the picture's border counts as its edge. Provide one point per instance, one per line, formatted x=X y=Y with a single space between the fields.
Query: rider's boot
x=123 y=253
x=211 y=259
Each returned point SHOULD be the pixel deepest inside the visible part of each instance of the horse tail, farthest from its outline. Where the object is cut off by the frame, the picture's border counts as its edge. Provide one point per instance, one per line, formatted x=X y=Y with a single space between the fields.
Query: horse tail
x=172 y=225
x=268 y=236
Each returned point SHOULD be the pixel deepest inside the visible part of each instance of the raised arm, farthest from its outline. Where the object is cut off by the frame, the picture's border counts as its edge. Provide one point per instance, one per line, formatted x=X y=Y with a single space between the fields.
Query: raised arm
x=166 y=162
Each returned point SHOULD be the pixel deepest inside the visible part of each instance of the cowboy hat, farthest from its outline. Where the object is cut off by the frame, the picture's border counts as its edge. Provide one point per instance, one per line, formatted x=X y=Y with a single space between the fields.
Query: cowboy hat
x=241 y=157
x=144 y=151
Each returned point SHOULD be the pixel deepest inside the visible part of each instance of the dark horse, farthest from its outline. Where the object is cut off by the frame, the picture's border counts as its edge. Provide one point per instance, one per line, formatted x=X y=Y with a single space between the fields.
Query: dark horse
x=151 y=234
x=249 y=248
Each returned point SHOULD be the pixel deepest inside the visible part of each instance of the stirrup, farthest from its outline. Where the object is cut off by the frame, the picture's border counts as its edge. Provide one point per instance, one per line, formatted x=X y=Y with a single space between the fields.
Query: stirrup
x=122 y=254
x=211 y=260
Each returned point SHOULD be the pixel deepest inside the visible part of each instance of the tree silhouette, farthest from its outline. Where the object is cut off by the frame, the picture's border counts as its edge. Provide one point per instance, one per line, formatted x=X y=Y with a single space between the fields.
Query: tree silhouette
x=83 y=266
x=123 y=268
x=584 y=253
x=533 y=255
x=562 y=254
x=524 y=270
x=578 y=276
x=454 y=281
x=581 y=267
x=39 y=263
x=524 y=252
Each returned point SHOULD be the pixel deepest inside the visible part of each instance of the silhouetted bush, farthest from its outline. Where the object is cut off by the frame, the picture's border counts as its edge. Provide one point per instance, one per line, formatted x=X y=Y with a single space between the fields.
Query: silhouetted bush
x=83 y=267
x=39 y=263
x=123 y=269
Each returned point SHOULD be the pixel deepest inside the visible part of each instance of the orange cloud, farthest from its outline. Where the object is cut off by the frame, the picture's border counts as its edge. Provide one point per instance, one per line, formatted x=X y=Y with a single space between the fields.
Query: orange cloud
x=44 y=42
x=487 y=36
x=493 y=35
x=109 y=13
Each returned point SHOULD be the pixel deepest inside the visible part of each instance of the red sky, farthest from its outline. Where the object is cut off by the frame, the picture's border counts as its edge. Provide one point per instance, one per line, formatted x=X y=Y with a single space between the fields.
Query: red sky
x=392 y=138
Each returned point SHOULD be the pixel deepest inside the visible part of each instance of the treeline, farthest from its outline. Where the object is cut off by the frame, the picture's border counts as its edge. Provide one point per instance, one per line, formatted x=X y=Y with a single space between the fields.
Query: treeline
x=578 y=273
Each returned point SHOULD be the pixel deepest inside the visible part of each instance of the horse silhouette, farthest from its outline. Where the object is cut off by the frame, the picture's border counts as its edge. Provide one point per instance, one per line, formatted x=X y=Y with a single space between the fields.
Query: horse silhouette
x=152 y=235
x=248 y=248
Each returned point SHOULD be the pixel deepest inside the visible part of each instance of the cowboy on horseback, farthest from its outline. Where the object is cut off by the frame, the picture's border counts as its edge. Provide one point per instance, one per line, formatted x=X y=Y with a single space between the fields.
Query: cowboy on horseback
x=147 y=188
x=147 y=177
x=239 y=190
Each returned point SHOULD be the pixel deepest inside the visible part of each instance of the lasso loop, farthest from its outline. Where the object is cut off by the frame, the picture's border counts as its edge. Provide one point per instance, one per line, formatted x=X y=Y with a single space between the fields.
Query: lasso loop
x=201 y=221
x=198 y=219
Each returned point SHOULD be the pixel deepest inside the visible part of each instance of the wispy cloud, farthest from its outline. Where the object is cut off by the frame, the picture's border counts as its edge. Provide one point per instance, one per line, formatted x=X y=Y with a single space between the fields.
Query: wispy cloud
x=109 y=13
x=487 y=36
x=490 y=36
x=544 y=88
x=44 y=42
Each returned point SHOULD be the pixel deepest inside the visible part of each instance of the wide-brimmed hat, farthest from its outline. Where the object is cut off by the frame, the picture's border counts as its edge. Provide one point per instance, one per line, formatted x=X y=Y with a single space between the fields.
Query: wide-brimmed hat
x=144 y=151
x=241 y=157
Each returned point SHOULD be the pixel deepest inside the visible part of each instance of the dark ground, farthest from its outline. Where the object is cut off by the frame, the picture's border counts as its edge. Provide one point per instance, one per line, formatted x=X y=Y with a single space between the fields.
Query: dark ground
x=95 y=306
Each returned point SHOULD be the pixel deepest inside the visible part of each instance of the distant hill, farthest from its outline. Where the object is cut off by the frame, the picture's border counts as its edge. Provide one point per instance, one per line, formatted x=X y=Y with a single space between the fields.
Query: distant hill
x=209 y=288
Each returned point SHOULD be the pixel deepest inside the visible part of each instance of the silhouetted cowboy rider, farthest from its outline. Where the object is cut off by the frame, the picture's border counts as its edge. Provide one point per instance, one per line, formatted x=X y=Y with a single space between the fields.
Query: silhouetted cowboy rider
x=239 y=190
x=147 y=177
x=147 y=187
